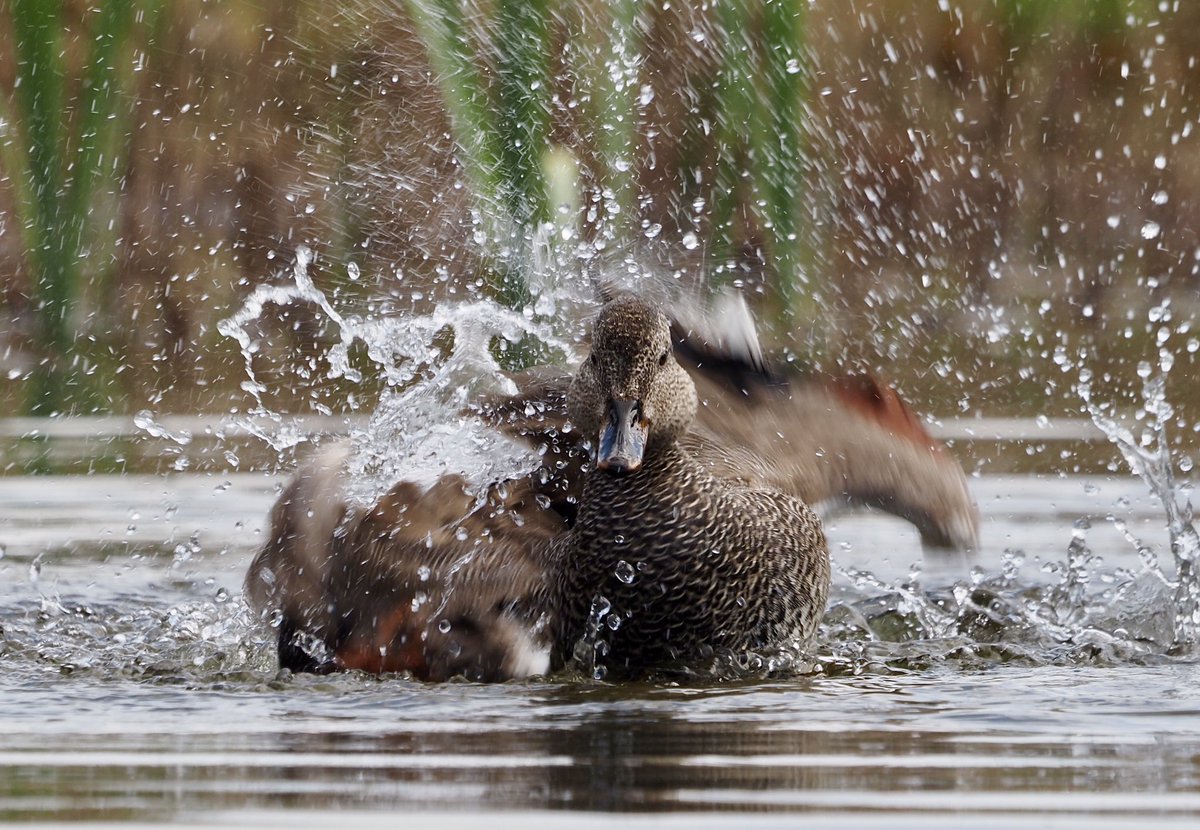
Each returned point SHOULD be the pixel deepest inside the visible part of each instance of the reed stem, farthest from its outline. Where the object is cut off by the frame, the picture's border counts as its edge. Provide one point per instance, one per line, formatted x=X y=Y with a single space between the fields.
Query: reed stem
x=56 y=159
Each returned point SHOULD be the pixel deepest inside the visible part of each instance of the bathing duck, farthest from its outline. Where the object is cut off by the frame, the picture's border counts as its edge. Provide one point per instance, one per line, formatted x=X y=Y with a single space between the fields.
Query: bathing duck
x=666 y=561
x=830 y=440
x=440 y=583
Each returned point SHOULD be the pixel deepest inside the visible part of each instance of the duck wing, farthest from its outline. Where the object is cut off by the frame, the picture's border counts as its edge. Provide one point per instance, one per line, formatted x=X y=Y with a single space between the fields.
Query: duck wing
x=827 y=439
x=437 y=582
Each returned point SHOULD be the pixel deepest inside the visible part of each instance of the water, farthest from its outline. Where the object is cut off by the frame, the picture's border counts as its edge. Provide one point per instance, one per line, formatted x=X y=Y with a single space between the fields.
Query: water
x=1053 y=676
x=135 y=688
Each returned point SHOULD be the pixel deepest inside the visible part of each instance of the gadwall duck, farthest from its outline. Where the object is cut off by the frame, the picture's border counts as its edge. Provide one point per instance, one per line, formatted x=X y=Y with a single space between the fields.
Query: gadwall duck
x=666 y=561
x=440 y=582
x=832 y=441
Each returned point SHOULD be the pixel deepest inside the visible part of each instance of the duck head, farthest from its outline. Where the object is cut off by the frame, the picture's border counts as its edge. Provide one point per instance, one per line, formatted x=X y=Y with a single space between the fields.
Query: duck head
x=630 y=396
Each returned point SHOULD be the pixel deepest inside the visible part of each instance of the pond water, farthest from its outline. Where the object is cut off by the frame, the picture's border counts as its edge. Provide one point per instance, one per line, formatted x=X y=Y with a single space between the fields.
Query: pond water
x=134 y=687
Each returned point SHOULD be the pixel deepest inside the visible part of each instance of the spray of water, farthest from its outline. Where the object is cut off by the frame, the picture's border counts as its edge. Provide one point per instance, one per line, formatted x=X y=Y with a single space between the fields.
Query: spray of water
x=433 y=366
x=1149 y=456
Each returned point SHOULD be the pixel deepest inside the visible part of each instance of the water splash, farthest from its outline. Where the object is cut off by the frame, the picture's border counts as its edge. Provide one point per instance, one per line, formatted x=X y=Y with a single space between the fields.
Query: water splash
x=188 y=642
x=591 y=649
x=1070 y=611
x=1149 y=456
x=432 y=365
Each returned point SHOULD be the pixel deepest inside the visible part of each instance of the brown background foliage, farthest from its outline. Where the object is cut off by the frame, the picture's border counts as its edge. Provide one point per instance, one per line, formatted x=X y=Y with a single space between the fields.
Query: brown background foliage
x=979 y=192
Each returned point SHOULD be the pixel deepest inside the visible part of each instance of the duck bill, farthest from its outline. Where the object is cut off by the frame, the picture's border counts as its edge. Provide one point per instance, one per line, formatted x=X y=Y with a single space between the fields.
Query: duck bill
x=623 y=437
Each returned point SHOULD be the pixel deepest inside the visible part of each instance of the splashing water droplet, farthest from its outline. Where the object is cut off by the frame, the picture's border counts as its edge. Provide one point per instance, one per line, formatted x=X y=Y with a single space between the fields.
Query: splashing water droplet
x=625 y=572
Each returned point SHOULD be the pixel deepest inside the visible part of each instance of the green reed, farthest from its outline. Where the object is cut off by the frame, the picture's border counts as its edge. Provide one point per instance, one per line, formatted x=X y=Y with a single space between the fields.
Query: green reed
x=500 y=110
x=760 y=103
x=501 y=127
x=55 y=159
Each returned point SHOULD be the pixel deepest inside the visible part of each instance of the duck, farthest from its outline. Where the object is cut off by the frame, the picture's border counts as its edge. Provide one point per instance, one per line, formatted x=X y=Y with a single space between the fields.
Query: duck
x=587 y=560
x=667 y=562
x=837 y=441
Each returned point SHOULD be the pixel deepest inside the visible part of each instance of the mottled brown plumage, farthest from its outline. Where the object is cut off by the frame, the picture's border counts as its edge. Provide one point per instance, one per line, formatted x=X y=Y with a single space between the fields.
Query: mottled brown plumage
x=433 y=581
x=704 y=548
x=829 y=440
x=669 y=562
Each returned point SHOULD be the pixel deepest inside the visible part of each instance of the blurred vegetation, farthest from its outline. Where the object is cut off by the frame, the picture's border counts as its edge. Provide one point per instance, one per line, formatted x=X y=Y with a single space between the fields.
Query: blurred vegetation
x=947 y=192
x=53 y=163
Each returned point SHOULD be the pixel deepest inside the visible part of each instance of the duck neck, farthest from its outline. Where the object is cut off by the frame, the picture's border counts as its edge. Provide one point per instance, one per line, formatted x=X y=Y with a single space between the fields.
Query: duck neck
x=663 y=458
x=666 y=470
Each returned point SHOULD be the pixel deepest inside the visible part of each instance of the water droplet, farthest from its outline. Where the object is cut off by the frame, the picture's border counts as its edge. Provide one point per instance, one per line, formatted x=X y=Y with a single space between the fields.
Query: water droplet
x=1150 y=230
x=690 y=241
x=625 y=572
x=1113 y=221
x=444 y=626
x=600 y=607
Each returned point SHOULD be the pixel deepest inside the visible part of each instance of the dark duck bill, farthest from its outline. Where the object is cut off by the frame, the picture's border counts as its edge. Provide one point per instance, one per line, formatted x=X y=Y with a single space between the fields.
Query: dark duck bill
x=623 y=437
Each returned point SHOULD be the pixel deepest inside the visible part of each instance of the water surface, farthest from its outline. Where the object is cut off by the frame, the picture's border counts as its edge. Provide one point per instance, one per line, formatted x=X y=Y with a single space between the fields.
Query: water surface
x=134 y=687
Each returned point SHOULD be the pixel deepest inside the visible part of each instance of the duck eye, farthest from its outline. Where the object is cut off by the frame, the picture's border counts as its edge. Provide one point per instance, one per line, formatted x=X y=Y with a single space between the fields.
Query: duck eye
x=662 y=360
